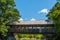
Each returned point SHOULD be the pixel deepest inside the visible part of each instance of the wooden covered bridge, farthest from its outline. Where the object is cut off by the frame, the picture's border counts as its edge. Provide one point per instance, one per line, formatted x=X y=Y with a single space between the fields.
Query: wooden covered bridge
x=41 y=26
x=32 y=27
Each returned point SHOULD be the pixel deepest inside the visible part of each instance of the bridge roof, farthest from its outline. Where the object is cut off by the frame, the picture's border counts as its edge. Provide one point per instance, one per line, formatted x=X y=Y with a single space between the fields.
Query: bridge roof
x=35 y=22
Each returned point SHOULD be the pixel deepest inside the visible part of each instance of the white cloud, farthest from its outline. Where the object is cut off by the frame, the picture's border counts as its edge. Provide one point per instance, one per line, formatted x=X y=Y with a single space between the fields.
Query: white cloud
x=44 y=11
x=21 y=19
x=33 y=19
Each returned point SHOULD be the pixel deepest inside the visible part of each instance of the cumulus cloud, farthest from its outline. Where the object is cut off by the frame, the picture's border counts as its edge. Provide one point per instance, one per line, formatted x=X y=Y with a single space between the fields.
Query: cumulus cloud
x=33 y=19
x=44 y=11
x=21 y=19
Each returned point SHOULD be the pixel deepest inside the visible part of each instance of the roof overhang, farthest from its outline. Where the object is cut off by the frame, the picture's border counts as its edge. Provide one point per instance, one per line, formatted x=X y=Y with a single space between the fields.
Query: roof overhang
x=31 y=23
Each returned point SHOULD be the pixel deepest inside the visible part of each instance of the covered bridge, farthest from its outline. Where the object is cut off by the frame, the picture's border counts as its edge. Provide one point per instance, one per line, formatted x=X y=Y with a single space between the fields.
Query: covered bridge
x=36 y=26
x=45 y=27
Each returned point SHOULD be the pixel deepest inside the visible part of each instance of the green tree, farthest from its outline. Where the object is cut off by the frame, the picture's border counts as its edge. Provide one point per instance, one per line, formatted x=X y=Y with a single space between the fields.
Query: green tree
x=8 y=13
x=54 y=15
x=58 y=0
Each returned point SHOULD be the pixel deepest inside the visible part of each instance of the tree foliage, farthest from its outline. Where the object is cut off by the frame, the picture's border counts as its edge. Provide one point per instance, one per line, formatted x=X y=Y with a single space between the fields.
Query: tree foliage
x=54 y=15
x=58 y=0
x=8 y=13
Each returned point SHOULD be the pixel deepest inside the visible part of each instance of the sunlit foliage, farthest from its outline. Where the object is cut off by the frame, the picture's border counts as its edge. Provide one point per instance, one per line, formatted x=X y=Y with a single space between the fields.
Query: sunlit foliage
x=8 y=13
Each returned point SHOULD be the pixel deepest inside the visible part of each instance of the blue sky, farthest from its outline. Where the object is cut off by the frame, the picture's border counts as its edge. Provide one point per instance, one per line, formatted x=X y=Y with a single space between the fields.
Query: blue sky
x=34 y=9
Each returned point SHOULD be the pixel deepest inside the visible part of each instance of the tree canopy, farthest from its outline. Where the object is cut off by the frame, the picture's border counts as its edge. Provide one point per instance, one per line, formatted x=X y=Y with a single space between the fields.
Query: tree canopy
x=54 y=15
x=8 y=13
x=58 y=0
